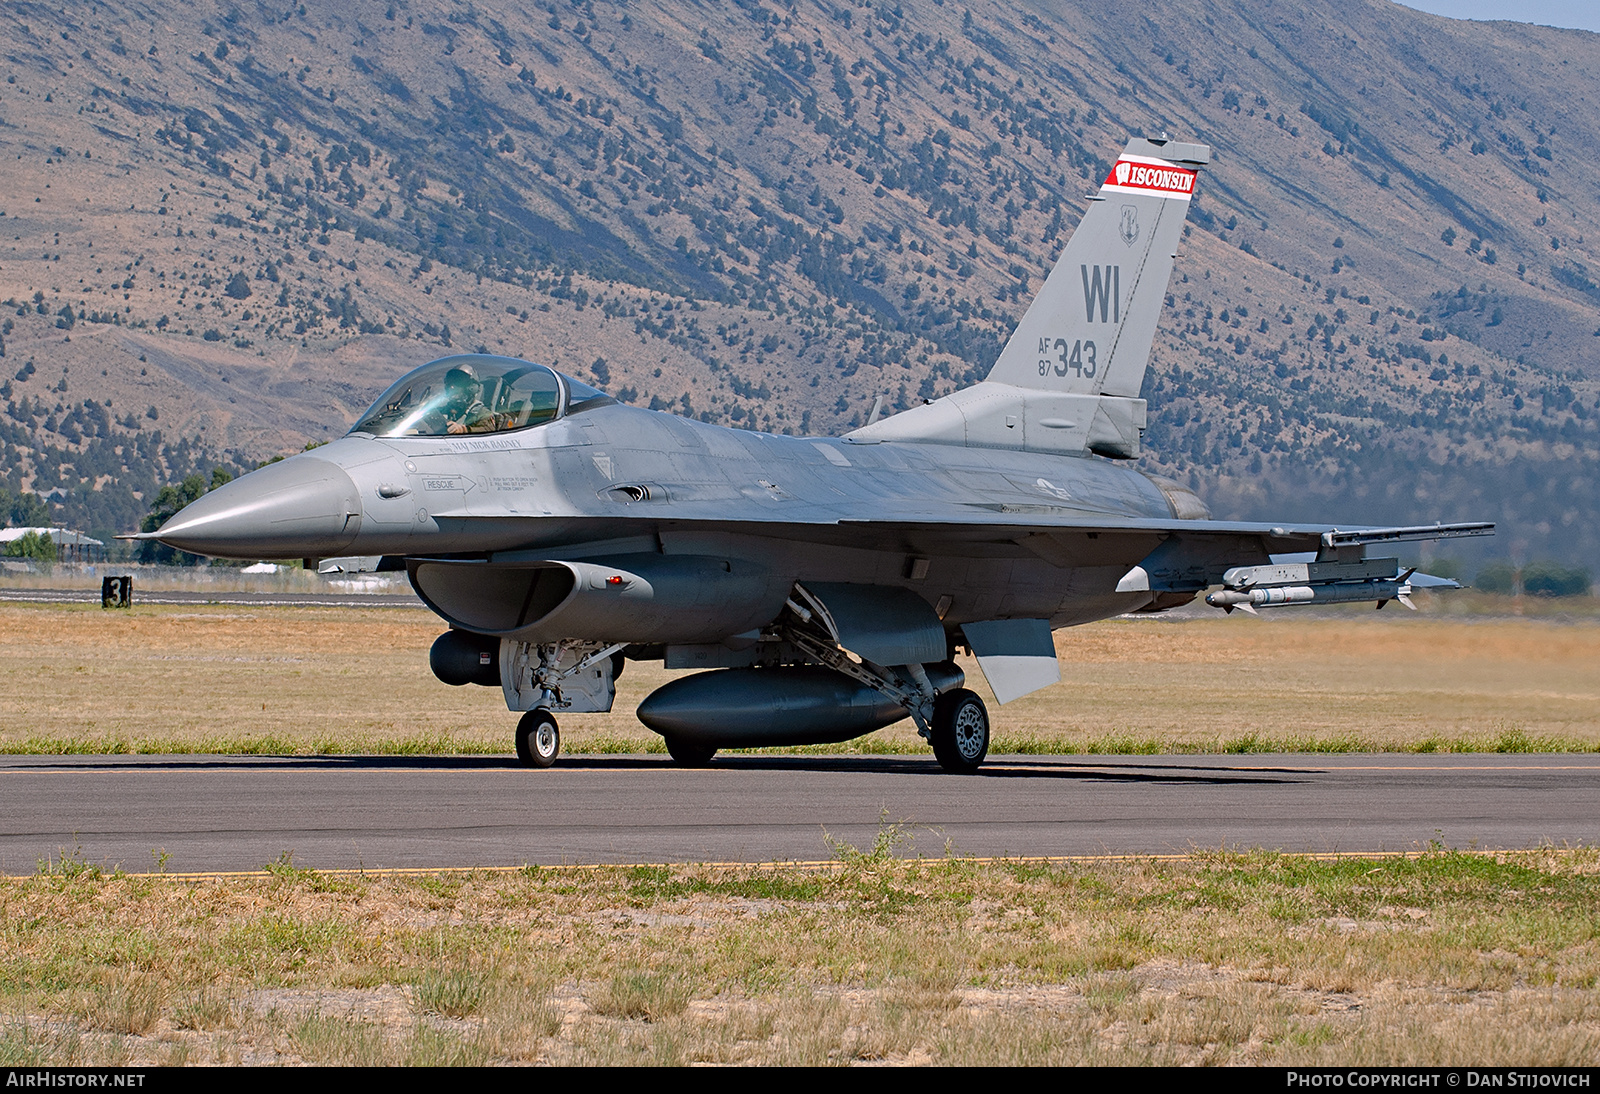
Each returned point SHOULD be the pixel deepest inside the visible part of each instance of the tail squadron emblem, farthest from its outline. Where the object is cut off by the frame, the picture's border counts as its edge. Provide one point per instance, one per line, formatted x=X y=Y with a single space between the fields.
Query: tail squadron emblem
x=1129 y=228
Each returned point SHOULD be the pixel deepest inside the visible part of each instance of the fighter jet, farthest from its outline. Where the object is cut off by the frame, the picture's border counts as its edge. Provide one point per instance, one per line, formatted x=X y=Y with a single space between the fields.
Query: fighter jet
x=822 y=585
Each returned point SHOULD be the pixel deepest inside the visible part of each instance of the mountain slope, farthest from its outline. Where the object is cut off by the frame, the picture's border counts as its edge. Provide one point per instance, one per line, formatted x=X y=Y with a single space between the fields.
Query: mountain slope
x=246 y=220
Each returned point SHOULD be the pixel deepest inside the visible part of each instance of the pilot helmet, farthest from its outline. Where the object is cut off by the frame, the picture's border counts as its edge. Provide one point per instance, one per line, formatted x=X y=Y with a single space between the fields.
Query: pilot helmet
x=461 y=381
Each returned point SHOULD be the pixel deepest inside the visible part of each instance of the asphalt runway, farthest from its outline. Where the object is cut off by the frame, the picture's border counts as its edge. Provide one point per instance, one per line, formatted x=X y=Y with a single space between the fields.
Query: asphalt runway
x=225 y=813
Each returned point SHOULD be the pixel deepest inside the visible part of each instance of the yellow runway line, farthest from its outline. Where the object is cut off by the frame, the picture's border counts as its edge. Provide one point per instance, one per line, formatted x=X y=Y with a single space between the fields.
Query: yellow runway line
x=1305 y=767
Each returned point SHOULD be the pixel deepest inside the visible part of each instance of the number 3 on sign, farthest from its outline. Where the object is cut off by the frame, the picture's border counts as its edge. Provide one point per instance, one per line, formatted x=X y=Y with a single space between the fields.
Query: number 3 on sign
x=1077 y=356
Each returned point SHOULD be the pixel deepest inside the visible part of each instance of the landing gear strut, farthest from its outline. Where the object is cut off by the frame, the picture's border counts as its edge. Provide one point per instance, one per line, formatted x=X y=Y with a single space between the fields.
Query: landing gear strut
x=960 y=731
x=954 y=722
x=538 y=738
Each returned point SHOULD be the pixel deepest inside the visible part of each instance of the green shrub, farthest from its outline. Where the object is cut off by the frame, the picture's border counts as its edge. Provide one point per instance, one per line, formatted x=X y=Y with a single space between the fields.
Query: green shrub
x=1497 y=577
x=33 y=545
x=1551 y=579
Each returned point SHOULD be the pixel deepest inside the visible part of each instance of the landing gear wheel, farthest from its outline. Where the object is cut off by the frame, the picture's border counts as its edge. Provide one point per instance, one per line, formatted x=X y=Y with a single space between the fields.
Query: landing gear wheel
x=538 y=738
x=685 y=754
x=960 y=731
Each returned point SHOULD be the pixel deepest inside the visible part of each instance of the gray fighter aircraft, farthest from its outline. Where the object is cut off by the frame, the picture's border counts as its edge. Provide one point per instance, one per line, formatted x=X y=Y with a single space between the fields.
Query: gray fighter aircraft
x=824 y=584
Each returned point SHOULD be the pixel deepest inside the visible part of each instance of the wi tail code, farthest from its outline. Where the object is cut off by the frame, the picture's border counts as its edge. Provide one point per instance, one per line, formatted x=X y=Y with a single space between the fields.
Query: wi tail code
x=1104 y=291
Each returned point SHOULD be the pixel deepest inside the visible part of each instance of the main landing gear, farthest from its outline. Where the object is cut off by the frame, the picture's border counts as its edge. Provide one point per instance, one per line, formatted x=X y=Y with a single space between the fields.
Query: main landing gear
x=959 y=731
x=538 y=738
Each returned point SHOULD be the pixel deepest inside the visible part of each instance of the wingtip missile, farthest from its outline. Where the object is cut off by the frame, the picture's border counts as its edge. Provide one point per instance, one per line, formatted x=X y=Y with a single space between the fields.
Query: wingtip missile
x=1287 y=584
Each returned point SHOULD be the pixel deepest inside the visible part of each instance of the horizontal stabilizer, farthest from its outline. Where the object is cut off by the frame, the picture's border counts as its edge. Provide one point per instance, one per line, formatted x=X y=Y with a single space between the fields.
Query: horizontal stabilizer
x=352 y=564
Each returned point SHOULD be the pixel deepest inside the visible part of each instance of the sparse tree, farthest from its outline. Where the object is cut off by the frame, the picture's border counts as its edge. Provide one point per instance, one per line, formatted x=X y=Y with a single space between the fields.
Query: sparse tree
x=24 y=510
x=38 y=547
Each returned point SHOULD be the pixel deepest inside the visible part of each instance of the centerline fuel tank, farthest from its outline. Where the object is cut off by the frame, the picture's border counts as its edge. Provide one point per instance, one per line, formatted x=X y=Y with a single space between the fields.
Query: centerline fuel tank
x=761 y=707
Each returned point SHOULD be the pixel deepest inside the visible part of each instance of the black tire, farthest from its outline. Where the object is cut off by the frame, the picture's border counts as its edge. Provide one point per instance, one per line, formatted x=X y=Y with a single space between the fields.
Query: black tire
x=538 y=738
x=960 y=736
x=685 y=754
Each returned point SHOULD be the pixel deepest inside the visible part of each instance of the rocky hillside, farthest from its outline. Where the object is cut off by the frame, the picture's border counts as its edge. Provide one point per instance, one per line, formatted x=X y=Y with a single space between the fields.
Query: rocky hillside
x=231 y=225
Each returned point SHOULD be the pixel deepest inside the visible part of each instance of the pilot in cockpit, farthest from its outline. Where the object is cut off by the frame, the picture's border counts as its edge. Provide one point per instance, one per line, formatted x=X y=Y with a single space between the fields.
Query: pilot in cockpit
x=462 y=410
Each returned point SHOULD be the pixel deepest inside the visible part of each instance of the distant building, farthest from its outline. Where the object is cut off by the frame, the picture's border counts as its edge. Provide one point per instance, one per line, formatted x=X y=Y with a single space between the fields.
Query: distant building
x=70 y=546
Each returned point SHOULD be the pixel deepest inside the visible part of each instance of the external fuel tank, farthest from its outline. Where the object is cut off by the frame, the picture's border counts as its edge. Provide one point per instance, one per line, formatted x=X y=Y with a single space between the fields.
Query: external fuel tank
x=761 y=707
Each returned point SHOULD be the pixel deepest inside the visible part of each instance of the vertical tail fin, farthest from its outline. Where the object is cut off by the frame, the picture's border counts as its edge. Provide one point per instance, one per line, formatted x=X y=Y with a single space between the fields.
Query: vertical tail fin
x=1090 y=329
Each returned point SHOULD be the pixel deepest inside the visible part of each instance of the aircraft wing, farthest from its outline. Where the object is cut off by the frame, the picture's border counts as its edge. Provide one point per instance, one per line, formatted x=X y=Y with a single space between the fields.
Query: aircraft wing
x=1199 y=549
x=999 y=522
x=1060 y=535
x=1022 y=520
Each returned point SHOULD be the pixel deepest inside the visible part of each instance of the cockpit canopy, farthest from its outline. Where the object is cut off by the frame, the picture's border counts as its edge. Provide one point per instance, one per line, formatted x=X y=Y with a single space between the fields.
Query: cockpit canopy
x=476 y=393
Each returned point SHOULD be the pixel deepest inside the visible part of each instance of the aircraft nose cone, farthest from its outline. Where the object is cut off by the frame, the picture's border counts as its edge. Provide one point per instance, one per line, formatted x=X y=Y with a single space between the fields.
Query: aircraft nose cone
x=302 y=507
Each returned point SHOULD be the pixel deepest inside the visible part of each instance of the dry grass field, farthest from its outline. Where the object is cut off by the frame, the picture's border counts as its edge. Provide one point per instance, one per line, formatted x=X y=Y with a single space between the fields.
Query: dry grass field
x=1440 y=958
x=218 y=678
x=1445 y=958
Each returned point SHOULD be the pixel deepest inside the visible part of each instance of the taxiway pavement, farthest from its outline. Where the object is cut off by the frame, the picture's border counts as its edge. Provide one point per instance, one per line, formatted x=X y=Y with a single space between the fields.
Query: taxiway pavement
x=224 y=813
